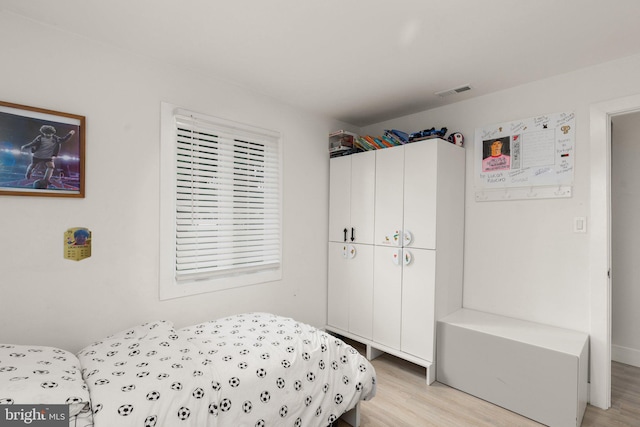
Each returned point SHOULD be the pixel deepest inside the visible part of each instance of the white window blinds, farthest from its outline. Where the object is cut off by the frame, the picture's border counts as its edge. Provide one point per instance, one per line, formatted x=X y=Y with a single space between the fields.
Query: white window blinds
x=227 y=198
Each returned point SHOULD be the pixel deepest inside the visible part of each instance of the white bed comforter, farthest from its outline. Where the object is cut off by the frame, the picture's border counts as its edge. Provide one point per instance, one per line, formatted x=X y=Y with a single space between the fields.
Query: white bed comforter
x=246 y=370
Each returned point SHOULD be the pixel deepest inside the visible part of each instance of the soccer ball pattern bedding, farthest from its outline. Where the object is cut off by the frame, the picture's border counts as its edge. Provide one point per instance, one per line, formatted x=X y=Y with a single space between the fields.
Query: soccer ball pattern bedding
x=253 y=369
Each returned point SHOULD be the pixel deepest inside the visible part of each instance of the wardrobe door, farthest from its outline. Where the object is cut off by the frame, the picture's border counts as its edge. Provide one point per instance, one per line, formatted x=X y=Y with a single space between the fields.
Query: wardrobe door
x=338 y=287
x=389 y=196
x=360 y=276
x=420 y=193
x=339 y=197
x=350 y=291
x=363 y=177
x=387 y=296
x=418 y=294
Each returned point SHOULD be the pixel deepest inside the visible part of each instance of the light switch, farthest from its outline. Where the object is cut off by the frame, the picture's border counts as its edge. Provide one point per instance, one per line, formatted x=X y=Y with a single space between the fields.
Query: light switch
x=579 y=224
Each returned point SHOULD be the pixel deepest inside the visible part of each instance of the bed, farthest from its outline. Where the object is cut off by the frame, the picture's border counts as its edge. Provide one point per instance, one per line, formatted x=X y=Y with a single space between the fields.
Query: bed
x=255 y=369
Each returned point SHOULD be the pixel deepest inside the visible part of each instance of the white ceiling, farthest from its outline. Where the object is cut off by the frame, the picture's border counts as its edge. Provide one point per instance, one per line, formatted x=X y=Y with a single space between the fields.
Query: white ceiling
x=359 y=61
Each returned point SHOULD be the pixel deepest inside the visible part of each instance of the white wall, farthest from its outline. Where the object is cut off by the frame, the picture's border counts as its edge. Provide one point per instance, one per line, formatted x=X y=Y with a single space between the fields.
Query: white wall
x=522 y=258
x=45 y=299
x=625 y=236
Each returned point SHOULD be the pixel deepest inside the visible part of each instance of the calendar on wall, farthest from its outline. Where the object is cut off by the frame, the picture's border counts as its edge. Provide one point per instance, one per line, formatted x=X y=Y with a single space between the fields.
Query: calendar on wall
x=525 y=159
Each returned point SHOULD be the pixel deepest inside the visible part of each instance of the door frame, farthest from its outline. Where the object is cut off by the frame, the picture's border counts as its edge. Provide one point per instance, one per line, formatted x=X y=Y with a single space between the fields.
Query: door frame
x=600 y=244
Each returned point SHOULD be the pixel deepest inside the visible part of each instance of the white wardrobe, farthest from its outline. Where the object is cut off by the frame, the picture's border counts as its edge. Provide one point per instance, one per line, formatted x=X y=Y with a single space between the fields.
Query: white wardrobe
x=396 y=228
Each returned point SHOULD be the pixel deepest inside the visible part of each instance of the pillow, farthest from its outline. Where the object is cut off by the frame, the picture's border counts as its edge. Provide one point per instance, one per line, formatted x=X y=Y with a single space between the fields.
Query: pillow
x=41 y=375
x=148 y=374
x=157 y=327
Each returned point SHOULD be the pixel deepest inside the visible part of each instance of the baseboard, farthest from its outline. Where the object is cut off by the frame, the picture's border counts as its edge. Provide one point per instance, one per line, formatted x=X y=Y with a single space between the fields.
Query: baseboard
x=628 y=356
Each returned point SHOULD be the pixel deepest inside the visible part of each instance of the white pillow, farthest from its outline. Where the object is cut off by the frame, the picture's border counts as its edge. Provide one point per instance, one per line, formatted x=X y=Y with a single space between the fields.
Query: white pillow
x=41 y=375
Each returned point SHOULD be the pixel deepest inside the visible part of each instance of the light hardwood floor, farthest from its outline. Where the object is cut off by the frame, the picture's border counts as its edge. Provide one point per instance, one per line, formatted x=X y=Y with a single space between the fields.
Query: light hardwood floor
x=404 y=399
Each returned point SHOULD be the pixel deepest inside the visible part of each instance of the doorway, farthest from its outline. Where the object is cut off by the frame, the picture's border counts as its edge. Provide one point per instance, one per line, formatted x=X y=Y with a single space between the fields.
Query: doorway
x=600 y=244
x=625 y=235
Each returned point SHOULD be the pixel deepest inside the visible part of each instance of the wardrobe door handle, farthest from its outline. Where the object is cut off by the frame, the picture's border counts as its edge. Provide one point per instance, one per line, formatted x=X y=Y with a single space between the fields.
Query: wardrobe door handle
x=407 y=257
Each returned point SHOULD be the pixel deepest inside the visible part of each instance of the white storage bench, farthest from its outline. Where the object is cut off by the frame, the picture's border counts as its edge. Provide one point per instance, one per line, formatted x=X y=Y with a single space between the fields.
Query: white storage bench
x=535 y=370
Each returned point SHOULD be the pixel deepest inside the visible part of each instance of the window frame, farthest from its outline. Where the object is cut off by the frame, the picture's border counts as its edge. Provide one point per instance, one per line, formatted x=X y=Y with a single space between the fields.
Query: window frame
x=170 y=287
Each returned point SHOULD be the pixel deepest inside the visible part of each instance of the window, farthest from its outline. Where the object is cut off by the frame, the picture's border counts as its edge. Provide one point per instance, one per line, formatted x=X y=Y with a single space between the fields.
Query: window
x=220 y=204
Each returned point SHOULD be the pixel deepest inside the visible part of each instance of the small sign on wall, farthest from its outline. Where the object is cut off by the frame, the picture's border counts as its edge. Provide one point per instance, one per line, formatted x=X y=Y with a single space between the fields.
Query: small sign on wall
x=77 y=243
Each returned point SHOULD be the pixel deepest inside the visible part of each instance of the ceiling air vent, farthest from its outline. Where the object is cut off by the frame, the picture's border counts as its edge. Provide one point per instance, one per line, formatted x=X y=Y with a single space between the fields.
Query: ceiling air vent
x=453 y=91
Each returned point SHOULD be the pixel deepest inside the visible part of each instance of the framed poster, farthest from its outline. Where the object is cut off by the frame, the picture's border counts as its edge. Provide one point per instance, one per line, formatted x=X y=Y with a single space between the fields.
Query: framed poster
x=530 y=158
x=41 y=152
